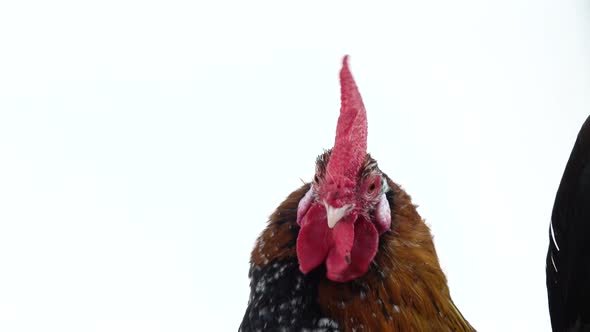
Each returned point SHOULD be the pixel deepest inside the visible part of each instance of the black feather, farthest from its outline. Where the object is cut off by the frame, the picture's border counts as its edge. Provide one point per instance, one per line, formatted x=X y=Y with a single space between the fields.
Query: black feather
x=568 y=257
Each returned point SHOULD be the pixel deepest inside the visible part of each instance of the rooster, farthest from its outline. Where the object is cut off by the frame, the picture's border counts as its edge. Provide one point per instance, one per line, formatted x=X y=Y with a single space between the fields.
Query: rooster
x=349 y=251
x=567 y=265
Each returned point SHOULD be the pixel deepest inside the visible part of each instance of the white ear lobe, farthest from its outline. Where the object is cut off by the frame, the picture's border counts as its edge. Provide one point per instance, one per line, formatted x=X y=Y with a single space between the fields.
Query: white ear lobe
x=383 y=215
x=304 y=205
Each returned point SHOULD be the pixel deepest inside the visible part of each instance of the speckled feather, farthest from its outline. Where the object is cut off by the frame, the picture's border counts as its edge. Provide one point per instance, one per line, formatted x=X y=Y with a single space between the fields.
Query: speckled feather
x=404 y=289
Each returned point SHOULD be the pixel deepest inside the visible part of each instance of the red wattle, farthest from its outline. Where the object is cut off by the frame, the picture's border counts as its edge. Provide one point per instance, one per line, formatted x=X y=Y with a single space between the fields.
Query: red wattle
x=339 y=259
x=342 y=267
x=314 y=239
x=364 y=249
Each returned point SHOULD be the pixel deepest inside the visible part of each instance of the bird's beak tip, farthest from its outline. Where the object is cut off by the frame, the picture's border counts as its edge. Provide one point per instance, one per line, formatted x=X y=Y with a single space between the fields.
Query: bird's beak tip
x=334 y=215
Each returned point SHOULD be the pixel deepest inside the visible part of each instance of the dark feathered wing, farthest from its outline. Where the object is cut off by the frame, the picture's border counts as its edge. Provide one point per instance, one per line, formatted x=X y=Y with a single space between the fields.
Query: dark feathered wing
x=568 y=257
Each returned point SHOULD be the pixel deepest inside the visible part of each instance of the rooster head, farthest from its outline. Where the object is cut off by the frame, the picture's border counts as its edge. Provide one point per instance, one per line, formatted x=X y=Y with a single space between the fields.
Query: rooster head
x=345 y=209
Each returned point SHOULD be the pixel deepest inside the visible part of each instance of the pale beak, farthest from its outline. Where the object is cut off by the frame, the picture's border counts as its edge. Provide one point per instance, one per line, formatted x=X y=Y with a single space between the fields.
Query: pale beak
x=335 y=214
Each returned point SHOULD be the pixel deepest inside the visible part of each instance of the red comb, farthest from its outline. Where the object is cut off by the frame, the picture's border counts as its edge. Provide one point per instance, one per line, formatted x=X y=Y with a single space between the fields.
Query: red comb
x=350 y=146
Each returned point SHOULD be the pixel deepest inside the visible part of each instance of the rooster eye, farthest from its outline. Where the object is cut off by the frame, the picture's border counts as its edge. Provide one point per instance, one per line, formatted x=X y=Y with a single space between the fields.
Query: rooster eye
x=371 y=187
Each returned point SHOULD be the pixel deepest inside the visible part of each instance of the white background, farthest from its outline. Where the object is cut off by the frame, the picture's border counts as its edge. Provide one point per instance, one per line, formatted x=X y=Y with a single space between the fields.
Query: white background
x=144 y=143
